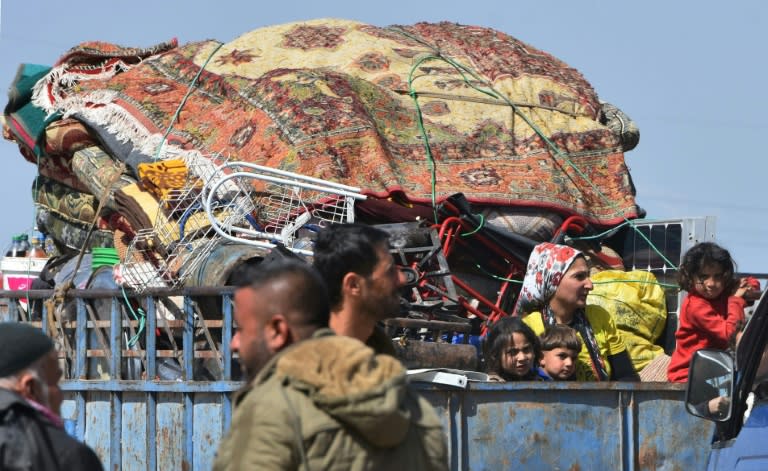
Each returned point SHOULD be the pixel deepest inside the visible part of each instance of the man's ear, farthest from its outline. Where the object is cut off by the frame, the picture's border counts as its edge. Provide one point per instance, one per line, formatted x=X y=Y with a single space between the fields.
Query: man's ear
x=352 y=284
x=25 y=386
x=278 y=333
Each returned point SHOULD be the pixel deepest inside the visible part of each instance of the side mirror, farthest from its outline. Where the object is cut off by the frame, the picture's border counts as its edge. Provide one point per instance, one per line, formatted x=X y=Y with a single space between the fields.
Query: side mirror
x=710 y=385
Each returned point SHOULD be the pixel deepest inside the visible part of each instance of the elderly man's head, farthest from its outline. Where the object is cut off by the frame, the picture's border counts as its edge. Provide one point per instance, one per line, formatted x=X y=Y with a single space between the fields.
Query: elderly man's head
x=29 y=365
x=276 y=305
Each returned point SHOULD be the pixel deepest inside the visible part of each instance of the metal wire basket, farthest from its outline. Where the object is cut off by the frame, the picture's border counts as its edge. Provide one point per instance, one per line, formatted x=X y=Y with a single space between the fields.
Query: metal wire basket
x=236 y=201
x=285 y=208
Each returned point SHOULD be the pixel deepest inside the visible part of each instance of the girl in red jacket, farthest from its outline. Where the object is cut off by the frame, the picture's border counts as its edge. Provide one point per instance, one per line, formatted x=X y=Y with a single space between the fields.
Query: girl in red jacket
x=712 y=311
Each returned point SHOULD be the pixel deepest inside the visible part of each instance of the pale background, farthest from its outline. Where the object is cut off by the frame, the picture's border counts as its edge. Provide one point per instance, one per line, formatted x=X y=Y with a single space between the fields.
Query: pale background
x=691 y=74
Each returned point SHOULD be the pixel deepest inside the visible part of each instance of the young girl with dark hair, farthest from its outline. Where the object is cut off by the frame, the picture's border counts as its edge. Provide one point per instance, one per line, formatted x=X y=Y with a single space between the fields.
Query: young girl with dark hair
x=713 y=309
x=512 y=351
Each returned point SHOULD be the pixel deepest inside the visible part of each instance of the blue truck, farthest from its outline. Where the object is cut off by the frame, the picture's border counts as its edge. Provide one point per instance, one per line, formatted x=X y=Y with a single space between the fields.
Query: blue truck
x=165 y=402
x=137 y=420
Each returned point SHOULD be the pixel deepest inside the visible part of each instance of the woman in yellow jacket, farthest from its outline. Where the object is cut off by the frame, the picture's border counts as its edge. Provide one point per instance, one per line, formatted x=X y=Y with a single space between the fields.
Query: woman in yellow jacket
x=555 y=291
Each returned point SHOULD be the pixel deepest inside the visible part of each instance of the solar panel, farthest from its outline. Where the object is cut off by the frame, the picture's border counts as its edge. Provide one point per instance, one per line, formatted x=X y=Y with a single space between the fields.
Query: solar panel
x=658 y=246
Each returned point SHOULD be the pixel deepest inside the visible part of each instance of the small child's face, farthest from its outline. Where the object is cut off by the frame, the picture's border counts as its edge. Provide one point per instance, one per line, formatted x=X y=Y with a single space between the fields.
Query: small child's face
x=709 y=282
x=559 y=363
x=517 y=359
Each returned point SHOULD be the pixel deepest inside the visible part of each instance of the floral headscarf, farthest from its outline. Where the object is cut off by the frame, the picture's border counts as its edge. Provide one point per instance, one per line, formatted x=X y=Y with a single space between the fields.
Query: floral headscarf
x=546 y=266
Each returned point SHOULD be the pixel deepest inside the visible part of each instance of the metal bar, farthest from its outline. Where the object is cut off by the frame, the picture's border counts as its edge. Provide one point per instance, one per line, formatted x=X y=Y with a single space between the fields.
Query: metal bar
x=226 y=353
x=151 y=386
x=629 y=438
x=80 y=411
x=101 y=293
x=226 y=416
x=189 y=428
x=81 y=343
x=284 y=173
x=151 y=431
x=116 y=430
x=100 y=353
x=44 y=326
x=115 y=340
x=188 y=339
x=226 y=336
x=460 y=423
x=475 y=294
x=151 y=339
x=126 y=323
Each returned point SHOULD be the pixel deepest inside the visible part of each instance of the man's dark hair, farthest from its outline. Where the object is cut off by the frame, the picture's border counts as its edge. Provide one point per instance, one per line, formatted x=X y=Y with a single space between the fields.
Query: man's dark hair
x=560 y=336
x=310 y=297
x=346 y=248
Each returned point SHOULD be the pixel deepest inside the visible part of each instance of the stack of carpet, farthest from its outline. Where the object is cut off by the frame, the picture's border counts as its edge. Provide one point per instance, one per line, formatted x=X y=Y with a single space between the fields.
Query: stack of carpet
x=410 y=114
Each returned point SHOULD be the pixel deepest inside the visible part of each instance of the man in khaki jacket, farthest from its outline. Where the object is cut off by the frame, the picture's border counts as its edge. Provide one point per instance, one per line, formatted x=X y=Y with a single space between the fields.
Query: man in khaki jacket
x=315 y=400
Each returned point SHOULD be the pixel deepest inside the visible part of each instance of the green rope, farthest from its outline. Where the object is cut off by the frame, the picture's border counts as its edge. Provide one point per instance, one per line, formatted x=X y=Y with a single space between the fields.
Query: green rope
x=424 y=135
x=511 y=280
x=497 y=277
x=599 y=236
x=634 y=226
x=192 y=87
x=476 y=229
x=142 y=320
x=491 y=92
x=657 y=283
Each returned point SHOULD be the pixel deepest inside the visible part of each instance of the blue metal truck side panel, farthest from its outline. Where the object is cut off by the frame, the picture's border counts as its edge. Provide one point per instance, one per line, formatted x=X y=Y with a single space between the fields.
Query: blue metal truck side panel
x=489 y=426
x=559 y=425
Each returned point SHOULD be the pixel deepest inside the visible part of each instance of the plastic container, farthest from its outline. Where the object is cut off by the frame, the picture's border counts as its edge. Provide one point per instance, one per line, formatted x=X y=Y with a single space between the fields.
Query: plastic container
x=24 y=242
x=104 y=256
x=36 y=249
x=18 y=248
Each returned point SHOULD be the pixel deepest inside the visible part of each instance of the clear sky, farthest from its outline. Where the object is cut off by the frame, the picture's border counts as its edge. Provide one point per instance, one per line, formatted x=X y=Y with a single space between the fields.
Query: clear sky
x=691 y=74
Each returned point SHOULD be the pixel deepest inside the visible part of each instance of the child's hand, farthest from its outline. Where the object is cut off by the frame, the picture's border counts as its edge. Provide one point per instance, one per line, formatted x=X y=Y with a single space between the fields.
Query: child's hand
x=742 y=289
x=747 y=287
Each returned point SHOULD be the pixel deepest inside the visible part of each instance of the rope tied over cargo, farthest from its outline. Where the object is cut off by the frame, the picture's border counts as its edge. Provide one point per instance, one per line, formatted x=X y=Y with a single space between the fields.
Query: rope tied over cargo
x=192 y=87
x=490 y=91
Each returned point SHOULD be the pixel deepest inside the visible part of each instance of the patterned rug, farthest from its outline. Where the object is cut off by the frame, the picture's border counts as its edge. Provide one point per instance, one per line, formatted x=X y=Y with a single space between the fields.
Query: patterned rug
x=378 y=108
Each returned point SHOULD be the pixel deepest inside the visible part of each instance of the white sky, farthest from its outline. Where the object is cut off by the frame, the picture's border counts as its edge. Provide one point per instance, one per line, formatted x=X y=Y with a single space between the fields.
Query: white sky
x=691 y=74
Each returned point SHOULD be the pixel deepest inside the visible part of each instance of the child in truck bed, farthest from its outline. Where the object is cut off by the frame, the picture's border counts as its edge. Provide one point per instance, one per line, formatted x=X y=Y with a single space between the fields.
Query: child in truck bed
x=512 y=351
x=560 y=347
x=713 y=309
